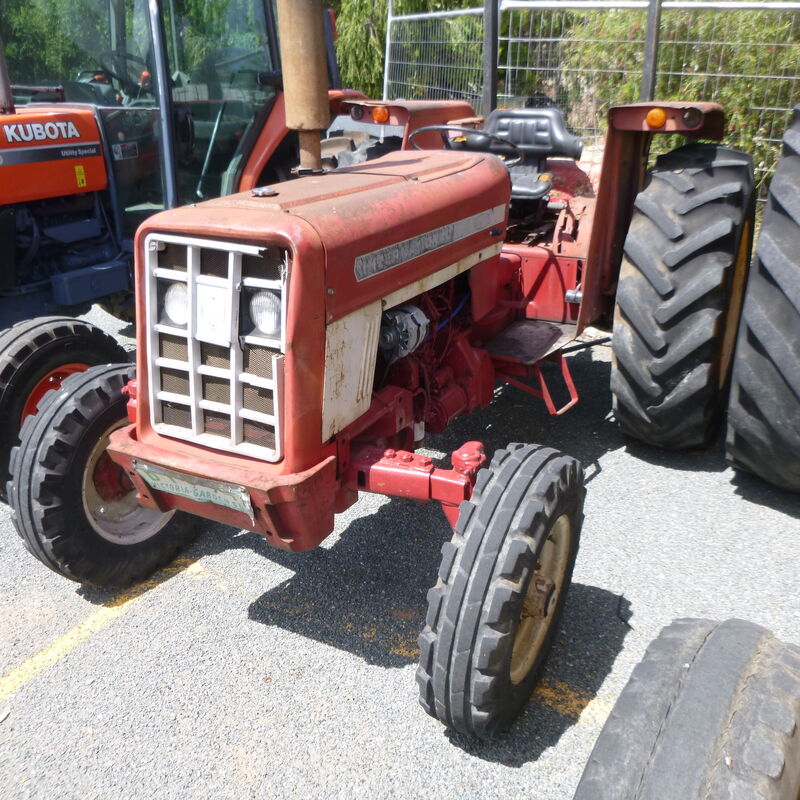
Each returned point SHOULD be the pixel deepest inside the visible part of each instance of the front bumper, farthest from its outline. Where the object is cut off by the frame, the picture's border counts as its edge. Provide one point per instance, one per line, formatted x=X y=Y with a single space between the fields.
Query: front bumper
x=293 y=512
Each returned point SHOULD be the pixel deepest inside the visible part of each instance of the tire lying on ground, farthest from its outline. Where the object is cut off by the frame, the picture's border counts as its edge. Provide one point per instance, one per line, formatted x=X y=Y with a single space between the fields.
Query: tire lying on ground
x=764 y=407
x=35 y=356
x=711 y=711
x=502 y=584
x=679 y=295
x=74 y=508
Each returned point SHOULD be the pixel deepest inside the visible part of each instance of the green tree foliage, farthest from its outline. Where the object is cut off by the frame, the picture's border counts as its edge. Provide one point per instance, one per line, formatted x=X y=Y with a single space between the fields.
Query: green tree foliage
x=50 y=41
x=46 y=42
x=704 y=55
x=361 y=27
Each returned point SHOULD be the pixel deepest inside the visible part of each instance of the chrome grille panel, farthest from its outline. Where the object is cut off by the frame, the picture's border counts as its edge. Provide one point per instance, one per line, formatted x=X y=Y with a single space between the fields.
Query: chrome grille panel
x=211 y=382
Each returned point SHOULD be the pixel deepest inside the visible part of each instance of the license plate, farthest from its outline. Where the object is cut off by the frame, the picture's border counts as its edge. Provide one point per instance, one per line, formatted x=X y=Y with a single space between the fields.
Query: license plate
x=200 y=489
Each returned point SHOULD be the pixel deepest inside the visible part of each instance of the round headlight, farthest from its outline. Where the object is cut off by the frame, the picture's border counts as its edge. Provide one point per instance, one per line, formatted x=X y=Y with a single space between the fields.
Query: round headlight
x=176 y=304
x=265 y=311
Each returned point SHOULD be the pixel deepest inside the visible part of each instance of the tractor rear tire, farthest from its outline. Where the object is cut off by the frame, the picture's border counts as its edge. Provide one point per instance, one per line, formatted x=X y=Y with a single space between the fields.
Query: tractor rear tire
x=35 y=356
x=76 y=510
x=711 y=711
x=680 y=294
x=764 y=406
x=502 y=584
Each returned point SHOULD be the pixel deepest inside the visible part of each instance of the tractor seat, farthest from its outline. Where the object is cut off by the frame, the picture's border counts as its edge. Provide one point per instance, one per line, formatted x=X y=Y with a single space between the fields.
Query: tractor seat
x=539 y=133
x=527 y=183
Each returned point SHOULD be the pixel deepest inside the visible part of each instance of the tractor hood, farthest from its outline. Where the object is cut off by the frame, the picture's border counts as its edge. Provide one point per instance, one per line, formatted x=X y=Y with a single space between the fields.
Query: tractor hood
x=382 y=225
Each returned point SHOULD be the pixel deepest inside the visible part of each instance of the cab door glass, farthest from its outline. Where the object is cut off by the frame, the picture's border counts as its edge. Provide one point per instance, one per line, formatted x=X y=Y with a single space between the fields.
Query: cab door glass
x=217 y=50
x=133 y=128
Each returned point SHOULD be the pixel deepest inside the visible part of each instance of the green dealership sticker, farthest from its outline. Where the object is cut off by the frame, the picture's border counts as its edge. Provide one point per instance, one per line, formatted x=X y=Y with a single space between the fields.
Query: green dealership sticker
x=200 y=489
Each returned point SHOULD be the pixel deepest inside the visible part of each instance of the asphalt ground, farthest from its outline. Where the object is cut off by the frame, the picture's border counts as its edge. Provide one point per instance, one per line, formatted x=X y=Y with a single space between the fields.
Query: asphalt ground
x=240 y=671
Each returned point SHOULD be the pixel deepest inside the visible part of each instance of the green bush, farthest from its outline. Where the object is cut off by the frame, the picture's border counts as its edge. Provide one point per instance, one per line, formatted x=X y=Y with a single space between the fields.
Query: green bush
x=361 y=27
x=721 y=56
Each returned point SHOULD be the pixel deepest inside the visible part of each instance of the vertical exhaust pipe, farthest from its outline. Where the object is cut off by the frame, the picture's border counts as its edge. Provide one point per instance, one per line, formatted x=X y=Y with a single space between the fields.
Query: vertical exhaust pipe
x=305 y=75
x=6 y=95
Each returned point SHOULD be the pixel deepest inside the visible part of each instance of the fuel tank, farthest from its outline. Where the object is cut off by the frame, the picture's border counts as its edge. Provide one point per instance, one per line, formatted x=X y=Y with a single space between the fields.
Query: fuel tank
x=49 y=151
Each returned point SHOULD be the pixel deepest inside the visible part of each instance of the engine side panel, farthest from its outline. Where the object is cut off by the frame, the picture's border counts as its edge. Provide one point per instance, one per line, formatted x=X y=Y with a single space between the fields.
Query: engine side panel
x=49 y=152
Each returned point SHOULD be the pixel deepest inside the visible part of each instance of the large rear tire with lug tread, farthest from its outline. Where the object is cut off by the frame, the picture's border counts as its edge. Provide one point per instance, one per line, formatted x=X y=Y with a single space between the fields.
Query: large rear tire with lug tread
x=501 y=589
x=711 y=711
x=764 y=406
x=74 y=508
x=35 y=356
x=679 y=295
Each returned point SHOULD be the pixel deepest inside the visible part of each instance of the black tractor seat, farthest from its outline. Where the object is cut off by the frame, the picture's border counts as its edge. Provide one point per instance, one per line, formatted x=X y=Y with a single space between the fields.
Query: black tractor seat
x=538 y=133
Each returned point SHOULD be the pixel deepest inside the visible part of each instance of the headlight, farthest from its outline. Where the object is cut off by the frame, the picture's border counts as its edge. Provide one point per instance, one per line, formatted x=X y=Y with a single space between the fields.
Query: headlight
x=176 y=304
x=265 y=311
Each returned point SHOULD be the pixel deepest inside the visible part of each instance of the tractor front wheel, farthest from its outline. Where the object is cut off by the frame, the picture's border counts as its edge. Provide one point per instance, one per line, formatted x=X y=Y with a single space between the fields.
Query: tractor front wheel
x=502 y=585
x=75 y=509
x=679 y=296
x=36 y=356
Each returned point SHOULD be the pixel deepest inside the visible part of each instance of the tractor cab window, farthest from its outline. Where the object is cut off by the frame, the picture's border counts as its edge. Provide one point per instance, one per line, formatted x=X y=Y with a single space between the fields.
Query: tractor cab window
x=219 y=54
x=77 y=51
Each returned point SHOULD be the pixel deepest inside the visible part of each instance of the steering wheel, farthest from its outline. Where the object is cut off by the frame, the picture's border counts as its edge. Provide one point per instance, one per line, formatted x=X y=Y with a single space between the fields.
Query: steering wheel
x=107 y=57
x=447 y=142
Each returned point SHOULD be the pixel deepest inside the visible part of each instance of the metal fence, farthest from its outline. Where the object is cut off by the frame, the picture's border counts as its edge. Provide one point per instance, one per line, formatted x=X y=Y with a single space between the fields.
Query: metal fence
x=586 y=55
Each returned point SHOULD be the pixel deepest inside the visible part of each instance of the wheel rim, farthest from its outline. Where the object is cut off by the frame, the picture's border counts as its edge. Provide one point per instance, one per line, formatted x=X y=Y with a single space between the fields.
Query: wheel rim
x=52 y=380
x=734 y=305
x=541 y=600
x=109 y=499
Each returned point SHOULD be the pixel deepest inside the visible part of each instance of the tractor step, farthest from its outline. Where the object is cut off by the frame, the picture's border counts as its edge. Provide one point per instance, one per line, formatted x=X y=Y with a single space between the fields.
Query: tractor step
x=527 y=341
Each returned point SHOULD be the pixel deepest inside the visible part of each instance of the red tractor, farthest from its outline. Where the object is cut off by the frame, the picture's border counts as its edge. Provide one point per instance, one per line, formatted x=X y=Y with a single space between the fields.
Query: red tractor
x=131 y=110
x=297 y=341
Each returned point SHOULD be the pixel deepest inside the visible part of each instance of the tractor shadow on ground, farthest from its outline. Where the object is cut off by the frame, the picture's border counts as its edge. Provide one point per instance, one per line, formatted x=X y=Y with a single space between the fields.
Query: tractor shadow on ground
x=759 y=492
x=366 y=595
x=216 y=538
x=588 y=431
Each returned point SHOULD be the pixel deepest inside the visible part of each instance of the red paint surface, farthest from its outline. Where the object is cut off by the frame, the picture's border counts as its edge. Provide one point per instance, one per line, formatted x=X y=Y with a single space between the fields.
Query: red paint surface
x=295 y=499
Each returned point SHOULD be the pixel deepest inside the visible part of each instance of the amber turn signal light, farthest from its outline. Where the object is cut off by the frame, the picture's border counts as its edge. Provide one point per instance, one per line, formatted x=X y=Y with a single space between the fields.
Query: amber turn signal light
x=656 y=117
x=380 y=114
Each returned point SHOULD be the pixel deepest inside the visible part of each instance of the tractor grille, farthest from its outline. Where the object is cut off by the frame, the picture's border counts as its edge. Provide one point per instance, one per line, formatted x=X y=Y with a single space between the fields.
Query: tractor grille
x=214 y=378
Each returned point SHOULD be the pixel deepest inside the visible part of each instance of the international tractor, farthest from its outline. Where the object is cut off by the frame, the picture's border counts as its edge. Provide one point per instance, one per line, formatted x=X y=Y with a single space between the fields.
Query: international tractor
x=297 y=341
x=108 y=116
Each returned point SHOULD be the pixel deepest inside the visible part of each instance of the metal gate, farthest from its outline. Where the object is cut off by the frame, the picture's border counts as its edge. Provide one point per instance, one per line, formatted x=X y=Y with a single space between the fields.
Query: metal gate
x=586 y=55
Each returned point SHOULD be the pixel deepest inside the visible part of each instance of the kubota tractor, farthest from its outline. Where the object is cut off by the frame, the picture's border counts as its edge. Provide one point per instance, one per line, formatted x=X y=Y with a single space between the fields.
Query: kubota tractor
x=128 y=109
x=297 y=341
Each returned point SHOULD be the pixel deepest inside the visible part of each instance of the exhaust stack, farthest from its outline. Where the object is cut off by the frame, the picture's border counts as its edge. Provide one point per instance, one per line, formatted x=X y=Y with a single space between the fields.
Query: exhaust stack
x=6 y=95
x=305 y=75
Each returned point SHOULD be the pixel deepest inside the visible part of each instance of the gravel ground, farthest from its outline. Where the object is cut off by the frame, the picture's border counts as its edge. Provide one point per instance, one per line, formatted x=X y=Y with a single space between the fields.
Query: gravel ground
x=241 y=671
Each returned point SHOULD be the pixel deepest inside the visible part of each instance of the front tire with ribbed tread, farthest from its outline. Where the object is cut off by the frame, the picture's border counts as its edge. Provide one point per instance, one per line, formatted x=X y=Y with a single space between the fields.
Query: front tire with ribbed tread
x=678 y=300
x=764 y=406
x=472 y=675
x=29 y=352
x=712 y=711
x=73 y=508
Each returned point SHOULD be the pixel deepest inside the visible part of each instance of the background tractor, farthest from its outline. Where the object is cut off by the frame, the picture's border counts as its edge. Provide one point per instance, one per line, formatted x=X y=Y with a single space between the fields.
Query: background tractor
x=296 y=342
x=132 y=108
